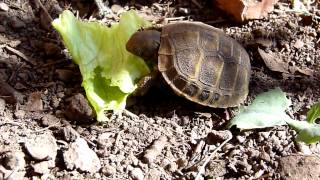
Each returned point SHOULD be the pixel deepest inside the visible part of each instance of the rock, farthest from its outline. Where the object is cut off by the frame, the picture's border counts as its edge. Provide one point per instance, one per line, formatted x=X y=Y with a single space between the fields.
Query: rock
x=70 y=134
x=117 y=9
x=4 y=6
x=182 y=162
x=41 y=167
x=80 y=156
x=49 y=120
x=14 y=160
x=16 y=23
x=9 y=94
x=2 y=29
x=2 y=106
x=265 y=156
x=241 y=139
x=298 y=44
x=79 y=109
x=136 y=174
x=215 y=137
x=216 y=168
x=51 y=48
x=19 y=114
x=305 y=149
x=109 y=170
x=34 y=102
x=153 y=174
x=64 y=74
x=172 y=167
x=42 y=147
x=242 y=10
x=299 y=167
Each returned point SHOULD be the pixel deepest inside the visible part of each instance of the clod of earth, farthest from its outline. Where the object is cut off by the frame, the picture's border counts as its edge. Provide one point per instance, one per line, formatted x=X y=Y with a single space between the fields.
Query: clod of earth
x=154 y=150
x=80 y=156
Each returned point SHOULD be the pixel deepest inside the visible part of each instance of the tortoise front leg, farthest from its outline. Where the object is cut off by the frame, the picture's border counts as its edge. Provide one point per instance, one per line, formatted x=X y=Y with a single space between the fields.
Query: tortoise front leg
x=145 y=83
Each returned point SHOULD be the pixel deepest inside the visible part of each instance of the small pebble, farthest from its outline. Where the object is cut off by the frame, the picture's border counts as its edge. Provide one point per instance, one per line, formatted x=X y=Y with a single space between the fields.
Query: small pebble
x=241 y=139
x=80 y=156
x=298 y=44
x=305 y=149
x=19 y=114
x=41 y=167
x=4 y=6
x=109 y=170
x=17 y=23
x=42 y=147
x=2 y=29
x=137 y=174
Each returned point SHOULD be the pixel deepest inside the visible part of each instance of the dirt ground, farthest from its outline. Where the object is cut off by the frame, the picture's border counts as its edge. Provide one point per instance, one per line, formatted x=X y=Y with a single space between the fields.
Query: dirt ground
x=46 y=129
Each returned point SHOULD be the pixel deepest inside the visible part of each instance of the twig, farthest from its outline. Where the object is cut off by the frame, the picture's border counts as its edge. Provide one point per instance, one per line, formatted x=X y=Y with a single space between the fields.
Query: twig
x=197 y=3
x=20 y=54
x=211 y=156
x=43 y=129
x=45 y=10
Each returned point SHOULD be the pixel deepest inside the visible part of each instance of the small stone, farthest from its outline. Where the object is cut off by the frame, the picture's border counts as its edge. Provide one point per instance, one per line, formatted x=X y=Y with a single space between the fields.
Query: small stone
x=79 y=109
x=51 y=48
x=281 y=134
x=109 y=170
x=42 y=147
x=2 y=29
x=80 y=156
x=182 y=162
x=2 y=106
x=17 y=23
x=305 y=149
x=70 y=134
x=41 y=167
x=19 y=114
x=241 y=139
x=153 y=174
x=64 y=74
x=298 y=44
x=137 y=174
x=265 y=156
x=14 y=160
x=216 y=168
x=34 y=102
x=4 y=6
x=172 y=167
x=265 y=135
x=49 y=120
x=116 y=8
x=215 y=137
x=103 y=139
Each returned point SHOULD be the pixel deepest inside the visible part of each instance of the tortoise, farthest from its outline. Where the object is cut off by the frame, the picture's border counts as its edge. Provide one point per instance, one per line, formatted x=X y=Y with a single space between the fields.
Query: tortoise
x=198 y=61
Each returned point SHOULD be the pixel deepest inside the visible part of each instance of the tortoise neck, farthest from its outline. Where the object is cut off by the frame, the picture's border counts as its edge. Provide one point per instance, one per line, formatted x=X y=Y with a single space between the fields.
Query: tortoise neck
x=145 y=44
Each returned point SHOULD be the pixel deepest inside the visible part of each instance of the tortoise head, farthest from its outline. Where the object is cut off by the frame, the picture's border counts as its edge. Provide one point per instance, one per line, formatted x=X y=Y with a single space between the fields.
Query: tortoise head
x=144 y=44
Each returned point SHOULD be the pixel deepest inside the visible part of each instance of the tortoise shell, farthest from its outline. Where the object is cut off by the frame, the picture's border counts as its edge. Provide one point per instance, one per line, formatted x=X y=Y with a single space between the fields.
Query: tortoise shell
x=204 y=65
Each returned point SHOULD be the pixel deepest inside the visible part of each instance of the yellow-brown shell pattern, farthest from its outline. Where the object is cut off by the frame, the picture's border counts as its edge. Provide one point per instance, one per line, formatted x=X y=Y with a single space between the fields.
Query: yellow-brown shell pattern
x=204 y=65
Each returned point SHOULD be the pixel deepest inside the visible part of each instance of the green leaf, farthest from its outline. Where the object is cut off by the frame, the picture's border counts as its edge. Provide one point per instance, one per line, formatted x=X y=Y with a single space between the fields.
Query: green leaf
x=267 y=110
x=314 y=113
x=109 y=72
x=310 y=135
x=308 y=132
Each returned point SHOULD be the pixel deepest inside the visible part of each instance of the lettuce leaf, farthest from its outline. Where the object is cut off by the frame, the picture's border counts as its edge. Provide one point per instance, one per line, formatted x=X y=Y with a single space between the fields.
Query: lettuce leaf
x=108 y=70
